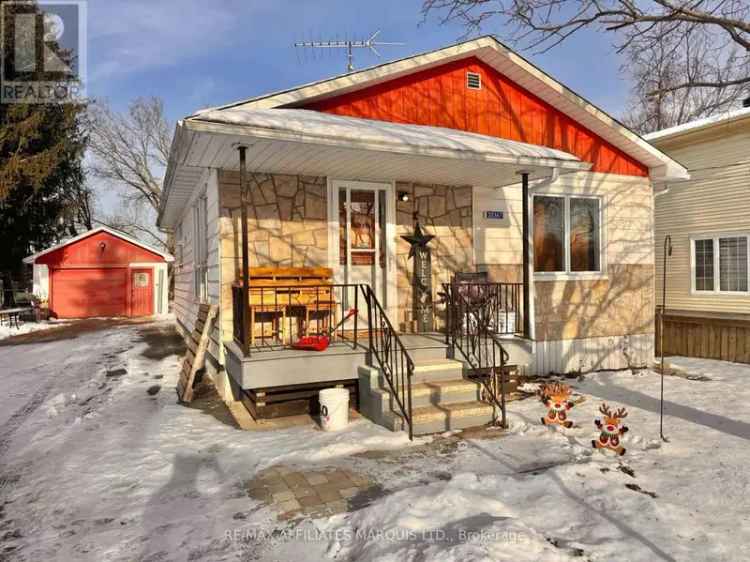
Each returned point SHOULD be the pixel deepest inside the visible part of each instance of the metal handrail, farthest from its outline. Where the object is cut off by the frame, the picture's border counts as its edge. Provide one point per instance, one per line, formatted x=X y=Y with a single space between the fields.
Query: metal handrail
x=391 y=355
x=469 y=332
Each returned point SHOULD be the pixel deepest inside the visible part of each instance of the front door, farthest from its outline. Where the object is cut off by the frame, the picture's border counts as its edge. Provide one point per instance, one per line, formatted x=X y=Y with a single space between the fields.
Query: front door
x=141 y=292
x=364 y=235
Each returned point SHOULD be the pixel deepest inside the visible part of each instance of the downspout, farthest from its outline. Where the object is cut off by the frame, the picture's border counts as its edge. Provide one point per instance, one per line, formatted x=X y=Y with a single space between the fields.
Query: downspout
x=245 y=257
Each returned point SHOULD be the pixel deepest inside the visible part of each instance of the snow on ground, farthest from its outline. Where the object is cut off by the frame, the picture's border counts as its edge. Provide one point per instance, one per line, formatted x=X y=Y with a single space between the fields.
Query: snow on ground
x=93 y=468
x=26 y=327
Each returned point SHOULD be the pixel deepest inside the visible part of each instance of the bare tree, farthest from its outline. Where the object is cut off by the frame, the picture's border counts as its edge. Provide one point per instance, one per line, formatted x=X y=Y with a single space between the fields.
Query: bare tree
x=137 y=218
x=688 y=58
x=653 y=105
x=130 y=150
x=79 y=207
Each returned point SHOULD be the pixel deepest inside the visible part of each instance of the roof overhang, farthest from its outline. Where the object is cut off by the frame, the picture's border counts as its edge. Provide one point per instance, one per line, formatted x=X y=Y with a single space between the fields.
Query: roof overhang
x=698 y=126
x=297 y=141
x=204 y=138
x=32 y=258
x=507 y=62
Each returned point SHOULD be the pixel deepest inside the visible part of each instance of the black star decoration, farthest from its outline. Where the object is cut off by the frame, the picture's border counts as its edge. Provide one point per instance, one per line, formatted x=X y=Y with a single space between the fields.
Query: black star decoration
x=418 y=239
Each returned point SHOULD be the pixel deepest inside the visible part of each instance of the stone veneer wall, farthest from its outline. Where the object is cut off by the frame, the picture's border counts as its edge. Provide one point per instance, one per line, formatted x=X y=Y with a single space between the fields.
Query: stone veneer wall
x=287 y=227
x=445 y=212
x=621 y=304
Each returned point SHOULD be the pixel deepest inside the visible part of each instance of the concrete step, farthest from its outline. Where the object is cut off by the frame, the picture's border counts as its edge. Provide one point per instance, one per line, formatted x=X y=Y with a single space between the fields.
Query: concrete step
x=448 y=417
x=430 y=394
x=427 y=351
x=437 y=369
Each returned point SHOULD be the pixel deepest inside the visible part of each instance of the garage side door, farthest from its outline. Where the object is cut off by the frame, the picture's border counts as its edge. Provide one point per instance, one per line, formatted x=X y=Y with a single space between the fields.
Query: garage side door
x=84 y=293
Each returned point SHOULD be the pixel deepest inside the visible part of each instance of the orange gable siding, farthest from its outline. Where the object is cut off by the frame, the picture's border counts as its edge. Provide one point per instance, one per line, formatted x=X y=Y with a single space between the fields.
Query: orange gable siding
x=439 y=97
x=89 y=251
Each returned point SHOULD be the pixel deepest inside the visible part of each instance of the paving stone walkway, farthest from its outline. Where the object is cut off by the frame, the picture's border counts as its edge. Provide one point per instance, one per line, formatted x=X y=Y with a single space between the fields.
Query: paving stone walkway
x=318 y=492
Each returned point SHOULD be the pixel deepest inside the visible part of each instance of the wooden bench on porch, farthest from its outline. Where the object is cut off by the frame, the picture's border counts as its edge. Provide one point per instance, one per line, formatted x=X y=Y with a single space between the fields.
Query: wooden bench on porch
x=287 y=293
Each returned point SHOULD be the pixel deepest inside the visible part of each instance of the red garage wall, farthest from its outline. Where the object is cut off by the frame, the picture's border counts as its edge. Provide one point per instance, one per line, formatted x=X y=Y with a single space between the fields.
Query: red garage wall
x=92 y=277
x=89 y=252
x=439 y=97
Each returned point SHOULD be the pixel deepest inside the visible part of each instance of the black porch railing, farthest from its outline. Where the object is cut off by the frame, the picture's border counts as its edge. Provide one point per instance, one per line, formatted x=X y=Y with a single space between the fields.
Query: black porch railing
x=477 y=314
x=275 y=317
x=279 y=315
x=391 y=355
x=502 y=305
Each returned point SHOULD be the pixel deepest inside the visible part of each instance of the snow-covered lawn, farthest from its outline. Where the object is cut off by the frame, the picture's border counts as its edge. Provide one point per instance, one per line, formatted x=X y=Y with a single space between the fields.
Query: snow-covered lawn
x=94 y=468
x=26 y=327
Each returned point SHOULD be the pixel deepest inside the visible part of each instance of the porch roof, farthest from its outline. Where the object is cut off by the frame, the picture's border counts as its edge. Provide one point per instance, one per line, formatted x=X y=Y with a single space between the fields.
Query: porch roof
x=298 y=141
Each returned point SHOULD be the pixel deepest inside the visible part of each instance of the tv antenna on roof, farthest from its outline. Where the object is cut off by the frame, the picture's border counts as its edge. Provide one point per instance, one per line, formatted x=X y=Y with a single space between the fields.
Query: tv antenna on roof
x=349 y=45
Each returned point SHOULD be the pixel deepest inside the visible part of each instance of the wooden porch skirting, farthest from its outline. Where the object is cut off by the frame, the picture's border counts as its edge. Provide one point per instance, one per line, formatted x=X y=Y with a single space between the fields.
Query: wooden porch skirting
x=707 y=335
x=279 y=401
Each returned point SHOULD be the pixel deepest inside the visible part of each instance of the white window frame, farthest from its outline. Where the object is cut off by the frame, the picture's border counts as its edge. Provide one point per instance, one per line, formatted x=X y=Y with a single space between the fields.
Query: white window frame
x=179 y=247
x=200 y=249
x=717 y=262
x=567 y=273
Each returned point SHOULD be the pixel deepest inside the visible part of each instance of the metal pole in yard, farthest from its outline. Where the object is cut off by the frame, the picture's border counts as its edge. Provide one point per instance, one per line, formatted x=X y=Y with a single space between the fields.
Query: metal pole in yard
x=667 y=253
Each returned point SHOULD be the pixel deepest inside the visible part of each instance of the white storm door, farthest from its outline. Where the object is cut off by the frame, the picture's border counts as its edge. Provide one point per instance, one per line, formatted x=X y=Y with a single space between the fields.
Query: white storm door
x=362 y=237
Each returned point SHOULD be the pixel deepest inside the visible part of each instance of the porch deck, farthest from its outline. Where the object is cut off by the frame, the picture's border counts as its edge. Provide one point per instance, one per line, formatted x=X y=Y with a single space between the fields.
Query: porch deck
x=283 y=367
x=287 y=366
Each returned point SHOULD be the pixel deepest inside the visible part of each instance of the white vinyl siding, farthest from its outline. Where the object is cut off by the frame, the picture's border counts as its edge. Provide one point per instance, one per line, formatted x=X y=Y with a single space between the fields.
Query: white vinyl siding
x=185 y=302
x=714 y=203
x=626 y=217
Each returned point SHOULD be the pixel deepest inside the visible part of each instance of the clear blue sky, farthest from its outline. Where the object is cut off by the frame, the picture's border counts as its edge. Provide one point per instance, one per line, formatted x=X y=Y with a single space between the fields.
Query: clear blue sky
x=201 y=53
x=197 y=53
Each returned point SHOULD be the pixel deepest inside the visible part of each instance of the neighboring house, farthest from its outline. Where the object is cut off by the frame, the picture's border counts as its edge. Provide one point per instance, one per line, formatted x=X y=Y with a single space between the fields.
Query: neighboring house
x=456 y=138
x=102 y=273
x=708 y=219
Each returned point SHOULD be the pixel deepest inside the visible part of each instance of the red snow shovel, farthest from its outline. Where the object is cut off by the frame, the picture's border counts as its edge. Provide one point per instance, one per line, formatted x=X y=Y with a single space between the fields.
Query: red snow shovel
x=321 y=342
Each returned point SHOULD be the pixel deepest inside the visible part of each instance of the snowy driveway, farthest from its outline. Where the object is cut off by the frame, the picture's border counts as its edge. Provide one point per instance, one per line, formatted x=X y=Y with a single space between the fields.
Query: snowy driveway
x=92 y=467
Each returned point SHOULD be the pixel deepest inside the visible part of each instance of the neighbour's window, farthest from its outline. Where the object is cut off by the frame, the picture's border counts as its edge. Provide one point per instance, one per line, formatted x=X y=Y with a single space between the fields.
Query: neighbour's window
x=733 y=264
x=200 y=248
x=720 y=264
x=567 y=234
x=704 y=265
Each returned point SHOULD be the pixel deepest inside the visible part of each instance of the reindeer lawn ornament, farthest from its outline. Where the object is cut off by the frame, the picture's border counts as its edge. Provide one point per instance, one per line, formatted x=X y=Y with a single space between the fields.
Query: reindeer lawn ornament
x=556 y=397
x=611 y=430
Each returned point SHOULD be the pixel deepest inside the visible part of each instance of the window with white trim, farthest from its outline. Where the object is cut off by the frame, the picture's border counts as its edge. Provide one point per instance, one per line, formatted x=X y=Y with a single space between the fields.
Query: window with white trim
x=567 y=234
x=200 y=249
x=720 y=263
x=179 y=244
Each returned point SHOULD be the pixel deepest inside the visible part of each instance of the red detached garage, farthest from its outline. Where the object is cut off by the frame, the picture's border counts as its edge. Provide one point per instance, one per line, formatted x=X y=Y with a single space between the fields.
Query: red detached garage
x=102 y=272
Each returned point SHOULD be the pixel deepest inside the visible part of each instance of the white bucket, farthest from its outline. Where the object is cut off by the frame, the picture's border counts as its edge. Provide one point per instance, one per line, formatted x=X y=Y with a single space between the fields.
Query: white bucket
x=334 y=408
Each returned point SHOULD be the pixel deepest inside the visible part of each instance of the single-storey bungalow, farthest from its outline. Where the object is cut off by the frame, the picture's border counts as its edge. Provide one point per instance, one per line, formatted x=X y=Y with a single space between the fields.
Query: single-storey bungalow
x=102 y=273
x=479 y=216
x=706 y=221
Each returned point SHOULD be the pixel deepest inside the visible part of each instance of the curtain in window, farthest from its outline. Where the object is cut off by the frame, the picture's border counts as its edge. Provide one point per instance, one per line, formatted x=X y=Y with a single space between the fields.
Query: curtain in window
x=584 y=234
x=733 y=264
x=549 y=232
